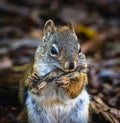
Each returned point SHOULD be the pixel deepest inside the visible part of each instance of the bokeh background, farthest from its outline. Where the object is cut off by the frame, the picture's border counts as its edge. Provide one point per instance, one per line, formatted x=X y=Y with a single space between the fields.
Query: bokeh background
x=97 y=24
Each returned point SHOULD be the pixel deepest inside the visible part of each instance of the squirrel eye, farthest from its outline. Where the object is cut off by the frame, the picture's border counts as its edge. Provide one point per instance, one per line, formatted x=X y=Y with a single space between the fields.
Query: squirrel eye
x=54 y=50
x=79 y=48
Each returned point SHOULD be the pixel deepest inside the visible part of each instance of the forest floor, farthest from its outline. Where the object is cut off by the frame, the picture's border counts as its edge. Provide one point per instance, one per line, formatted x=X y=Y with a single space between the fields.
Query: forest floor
x=97 y=25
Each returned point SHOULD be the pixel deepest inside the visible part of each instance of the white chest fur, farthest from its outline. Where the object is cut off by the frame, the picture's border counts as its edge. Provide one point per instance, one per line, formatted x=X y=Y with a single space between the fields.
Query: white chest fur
x=41 y=110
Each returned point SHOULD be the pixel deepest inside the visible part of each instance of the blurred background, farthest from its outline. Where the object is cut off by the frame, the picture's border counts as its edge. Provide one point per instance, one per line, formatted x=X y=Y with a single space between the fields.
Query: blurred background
x=97 y=24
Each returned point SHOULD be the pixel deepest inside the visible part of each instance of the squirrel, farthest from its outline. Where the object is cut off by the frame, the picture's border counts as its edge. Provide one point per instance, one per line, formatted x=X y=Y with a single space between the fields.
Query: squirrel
x=53 y=89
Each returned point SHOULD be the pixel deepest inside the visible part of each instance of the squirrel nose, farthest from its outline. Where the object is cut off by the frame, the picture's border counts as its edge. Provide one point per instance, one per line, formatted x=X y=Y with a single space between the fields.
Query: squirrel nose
x=70 y=66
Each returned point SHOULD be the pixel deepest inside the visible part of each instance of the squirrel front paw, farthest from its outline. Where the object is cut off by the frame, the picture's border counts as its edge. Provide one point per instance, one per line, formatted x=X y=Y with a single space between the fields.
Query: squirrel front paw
x=36 y=84
x=37 y=90
x=34 y=79
x=72 y=83
x=63 y=82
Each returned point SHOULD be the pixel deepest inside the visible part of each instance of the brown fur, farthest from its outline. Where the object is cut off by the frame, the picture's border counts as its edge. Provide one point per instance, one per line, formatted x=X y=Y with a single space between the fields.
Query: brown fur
x=76 y=85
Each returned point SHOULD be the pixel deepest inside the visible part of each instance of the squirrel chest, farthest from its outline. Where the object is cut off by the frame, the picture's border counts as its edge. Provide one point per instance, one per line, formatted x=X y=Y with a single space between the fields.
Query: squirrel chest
x=53 y=89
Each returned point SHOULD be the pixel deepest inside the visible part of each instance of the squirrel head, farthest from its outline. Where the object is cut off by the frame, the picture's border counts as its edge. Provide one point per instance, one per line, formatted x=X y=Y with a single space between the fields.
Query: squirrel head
x=61 y=46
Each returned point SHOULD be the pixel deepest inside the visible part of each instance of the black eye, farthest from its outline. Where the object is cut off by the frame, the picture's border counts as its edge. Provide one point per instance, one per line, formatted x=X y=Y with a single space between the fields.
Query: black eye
x=54 y=50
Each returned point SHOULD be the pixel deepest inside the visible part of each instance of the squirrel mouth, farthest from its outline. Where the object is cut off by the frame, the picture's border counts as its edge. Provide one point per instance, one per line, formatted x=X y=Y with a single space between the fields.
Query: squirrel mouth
x=69 y=66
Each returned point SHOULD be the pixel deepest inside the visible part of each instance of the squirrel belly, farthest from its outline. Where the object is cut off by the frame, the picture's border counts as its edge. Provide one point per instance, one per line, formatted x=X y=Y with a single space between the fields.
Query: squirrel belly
x=59 y=109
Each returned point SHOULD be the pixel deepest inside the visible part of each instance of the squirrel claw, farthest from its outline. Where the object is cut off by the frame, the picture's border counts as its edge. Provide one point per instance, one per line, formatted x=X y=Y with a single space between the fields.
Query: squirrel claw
x=42 y=85
x=35 y=91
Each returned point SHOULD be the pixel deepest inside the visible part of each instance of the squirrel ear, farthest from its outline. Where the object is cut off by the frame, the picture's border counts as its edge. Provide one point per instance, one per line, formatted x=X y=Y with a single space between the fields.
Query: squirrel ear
x=71 y=26
x=49 y=27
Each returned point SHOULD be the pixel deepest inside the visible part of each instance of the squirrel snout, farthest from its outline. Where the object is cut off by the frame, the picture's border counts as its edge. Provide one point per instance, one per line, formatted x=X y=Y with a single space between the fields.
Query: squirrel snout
x=70 y=66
